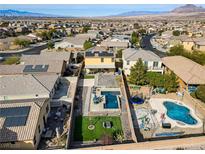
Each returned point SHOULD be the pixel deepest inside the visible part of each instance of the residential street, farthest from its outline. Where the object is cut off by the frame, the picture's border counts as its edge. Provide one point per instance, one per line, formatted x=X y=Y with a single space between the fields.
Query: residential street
x=146 y=45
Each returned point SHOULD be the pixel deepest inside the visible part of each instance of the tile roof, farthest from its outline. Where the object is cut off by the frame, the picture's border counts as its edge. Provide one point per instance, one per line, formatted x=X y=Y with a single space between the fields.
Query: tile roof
x=189 y=71
x=29 y=86
x=134 y=54
x=20 y=133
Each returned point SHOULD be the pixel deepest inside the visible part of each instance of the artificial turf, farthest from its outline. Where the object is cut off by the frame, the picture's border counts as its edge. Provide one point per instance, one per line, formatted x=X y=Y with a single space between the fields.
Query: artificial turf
x=82 y=133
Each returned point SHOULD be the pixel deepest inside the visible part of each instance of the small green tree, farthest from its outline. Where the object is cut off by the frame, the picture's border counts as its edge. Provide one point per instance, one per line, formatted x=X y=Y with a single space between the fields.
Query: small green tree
x=137 y=74
x=85 y=29
x=119 y=53
x=155 y=79
x=142 y=31
x=200 y=93
x=176 y=33
x=171 y=84
x=134 y=38
x=176 y=50
x=87 y=44
x=22 y=42
x=50 y=45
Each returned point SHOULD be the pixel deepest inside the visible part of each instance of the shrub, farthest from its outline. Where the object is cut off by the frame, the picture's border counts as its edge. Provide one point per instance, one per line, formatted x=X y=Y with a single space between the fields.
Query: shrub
x=200 y=92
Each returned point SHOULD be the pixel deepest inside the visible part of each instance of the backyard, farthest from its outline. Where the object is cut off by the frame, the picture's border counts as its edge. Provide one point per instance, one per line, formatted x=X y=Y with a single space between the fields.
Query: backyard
x=83 y=133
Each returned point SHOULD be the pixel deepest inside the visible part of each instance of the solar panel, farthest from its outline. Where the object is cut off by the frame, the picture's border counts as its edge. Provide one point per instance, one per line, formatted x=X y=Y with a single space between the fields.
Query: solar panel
x=15 y=116
x=36 y=68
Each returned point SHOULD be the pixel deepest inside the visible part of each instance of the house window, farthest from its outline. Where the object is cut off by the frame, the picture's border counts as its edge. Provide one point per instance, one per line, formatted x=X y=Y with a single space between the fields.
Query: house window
x=12 y=142
x=155 y=64
x=128 y=62
x=146 y=63
x=102 y=60
x=39 y=129
x=47 y=108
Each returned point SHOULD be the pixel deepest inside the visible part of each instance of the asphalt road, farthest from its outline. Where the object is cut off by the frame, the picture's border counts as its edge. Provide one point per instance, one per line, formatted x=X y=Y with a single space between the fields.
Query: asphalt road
x=146 y=45
x=34 y=50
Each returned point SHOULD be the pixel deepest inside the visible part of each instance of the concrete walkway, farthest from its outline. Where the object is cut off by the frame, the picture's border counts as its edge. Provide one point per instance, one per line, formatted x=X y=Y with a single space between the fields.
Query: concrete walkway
x=87 y=102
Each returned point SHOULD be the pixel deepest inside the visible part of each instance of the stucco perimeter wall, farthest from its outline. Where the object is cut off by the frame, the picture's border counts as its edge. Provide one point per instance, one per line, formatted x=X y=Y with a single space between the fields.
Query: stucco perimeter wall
x=128 y=110
x=152 y=145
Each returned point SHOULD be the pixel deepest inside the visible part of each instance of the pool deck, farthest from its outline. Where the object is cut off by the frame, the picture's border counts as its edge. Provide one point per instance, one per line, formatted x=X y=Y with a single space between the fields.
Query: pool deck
x=157 y=104
x=100 y=106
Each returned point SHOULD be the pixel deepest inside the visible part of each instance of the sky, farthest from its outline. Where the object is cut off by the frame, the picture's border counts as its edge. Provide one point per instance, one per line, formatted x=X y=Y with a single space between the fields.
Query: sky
x=89 y=9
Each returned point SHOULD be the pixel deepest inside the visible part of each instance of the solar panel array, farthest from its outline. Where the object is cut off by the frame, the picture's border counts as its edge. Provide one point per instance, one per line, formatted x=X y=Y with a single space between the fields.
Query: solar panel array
x=36 y=68
x=15 y=116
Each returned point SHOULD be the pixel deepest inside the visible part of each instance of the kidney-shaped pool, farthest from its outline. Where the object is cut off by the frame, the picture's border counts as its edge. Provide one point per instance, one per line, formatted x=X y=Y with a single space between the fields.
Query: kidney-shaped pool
x=179 y=113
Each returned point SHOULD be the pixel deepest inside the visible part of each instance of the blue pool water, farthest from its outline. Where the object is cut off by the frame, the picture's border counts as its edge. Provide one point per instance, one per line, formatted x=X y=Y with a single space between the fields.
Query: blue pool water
x=111 y=99
x=179 y=113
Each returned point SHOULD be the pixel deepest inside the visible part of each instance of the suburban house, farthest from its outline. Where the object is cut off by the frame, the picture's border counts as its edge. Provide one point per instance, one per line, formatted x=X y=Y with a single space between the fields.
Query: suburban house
x=32 y=67
x=74 y=43
x=190 y=74
x=45 y=63
x=22 y=123
x=200 y=46
x=20 y=87
x=191 y=44
x=98 y=59
x=70 y=43
x=130 y=56
x=116 y=42
x=24 y=105
x=188 y=43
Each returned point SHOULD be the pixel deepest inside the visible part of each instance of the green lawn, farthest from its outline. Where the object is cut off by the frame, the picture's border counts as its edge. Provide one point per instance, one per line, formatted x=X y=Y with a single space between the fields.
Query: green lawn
x=89 y=77
x=11 y=60
x=82 y=133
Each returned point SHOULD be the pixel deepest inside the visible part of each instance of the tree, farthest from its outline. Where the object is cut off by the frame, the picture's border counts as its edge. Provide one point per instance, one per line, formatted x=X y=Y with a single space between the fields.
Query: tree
x=137 y=74
x=119 y=53
x=136 y=26
x=22 y=42
x=155 y=79
x=196 y=56
x=87 y=44
x=134 y=38
x=85 y=29
x=142 y=31
x=200 y=93
x=171 y=84
x=166 y=81
x=176 y=50
x=176 y=33
x=50 y=45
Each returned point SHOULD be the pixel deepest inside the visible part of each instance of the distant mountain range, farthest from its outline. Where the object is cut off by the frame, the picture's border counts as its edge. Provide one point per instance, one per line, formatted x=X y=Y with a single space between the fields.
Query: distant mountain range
x=11 y=13
x=189 y=8
x=137 y=13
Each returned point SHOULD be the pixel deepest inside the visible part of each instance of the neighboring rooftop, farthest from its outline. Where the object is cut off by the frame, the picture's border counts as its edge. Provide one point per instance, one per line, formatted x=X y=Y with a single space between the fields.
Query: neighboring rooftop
x=18 y=121
x=132 y=54
x=46 y=56
x=33 y=66
x=188 y=70
x=26 y=86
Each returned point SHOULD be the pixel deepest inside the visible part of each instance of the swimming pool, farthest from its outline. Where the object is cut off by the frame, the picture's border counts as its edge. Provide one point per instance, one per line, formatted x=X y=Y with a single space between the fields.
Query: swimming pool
x=179 y=113
x=111 y=99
